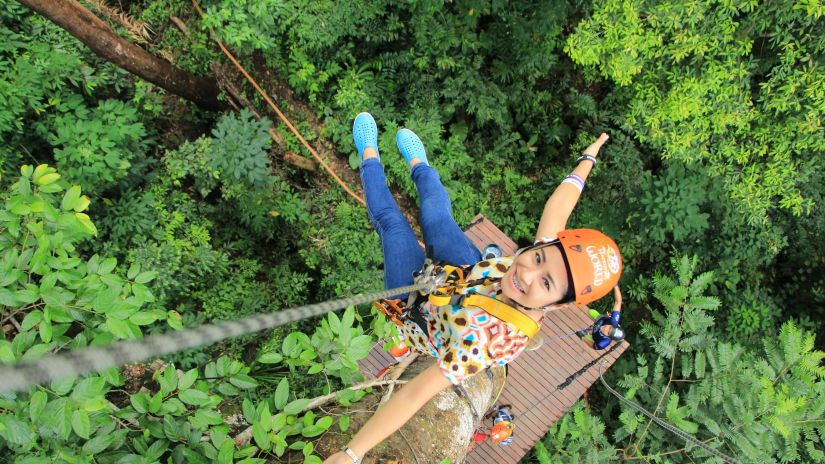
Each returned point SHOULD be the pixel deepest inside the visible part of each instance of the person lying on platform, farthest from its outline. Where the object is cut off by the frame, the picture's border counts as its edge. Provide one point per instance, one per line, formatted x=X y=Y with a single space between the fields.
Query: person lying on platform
x=563 y=266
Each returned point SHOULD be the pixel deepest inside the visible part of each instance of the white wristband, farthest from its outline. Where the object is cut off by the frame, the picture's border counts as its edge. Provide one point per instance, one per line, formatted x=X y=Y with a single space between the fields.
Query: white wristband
x=575 y=183
x=352 y=455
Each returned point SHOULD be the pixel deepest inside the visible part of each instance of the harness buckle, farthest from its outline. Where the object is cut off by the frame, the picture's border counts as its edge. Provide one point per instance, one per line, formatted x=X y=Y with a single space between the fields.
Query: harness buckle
x=430 y=274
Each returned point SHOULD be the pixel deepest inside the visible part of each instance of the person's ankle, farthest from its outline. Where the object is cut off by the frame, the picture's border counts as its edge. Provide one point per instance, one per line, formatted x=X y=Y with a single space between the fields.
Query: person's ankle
x=369 y=153
x=414 y=162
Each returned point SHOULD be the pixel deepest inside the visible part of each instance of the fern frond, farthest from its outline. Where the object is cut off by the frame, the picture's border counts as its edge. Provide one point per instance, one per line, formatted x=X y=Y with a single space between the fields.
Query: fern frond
x=701 y=282
x=684 y=268
x=708 y=303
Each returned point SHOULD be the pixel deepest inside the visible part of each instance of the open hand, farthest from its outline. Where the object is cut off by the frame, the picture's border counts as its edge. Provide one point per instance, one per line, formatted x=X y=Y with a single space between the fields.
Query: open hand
x=593 y=149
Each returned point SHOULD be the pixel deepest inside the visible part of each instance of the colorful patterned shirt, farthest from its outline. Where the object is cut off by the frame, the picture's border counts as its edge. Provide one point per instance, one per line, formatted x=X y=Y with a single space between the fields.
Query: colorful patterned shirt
x=467 y=340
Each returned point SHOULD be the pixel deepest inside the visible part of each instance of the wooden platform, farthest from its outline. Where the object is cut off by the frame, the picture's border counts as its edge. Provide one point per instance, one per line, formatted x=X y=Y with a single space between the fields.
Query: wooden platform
x=533 y=376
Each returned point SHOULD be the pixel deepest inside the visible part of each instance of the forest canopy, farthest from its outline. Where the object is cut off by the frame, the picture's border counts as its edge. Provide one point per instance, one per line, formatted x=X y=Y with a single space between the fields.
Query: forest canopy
x=128 y=208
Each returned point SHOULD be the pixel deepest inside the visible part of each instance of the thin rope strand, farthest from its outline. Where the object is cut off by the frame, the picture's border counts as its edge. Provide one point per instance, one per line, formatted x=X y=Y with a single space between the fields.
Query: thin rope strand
x=278 y=111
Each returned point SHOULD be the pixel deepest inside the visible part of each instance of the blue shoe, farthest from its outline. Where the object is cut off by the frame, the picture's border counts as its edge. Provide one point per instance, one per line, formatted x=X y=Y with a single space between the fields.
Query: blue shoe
x=410 y=146
x=364 y=133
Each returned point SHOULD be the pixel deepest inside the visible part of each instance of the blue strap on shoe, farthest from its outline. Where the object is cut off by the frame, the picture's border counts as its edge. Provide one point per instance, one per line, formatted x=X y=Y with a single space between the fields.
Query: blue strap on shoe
x=410 y=146
x=364 y=133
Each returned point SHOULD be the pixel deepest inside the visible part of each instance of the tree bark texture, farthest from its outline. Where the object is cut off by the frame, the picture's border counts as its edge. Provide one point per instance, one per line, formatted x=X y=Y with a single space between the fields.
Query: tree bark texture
x=104 y=41
x=441 y=429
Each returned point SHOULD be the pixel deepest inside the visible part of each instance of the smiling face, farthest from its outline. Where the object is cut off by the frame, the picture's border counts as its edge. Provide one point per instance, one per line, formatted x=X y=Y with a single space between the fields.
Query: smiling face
x=537 y=278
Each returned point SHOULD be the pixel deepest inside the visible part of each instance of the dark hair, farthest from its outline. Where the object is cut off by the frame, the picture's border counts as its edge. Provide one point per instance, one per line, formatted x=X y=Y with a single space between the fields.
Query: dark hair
x=570 y=295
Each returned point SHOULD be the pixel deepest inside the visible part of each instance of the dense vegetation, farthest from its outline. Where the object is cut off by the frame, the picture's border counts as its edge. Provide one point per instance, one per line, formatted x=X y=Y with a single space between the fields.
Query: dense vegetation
x=125 y=211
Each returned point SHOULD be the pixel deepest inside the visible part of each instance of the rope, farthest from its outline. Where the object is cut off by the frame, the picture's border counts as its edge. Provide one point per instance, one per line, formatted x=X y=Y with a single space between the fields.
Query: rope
x=278 y=111
x=572 y=377
x=23 y=375
x=665 y=425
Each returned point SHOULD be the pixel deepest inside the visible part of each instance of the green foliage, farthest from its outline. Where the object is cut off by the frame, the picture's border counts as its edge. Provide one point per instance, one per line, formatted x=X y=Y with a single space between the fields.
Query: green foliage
x=335 y=348
x=130 y=218
x=760 y=405
x=238 y=295
x=715 y=117
x=350 y=266
x=238 y=152
x=49 y=286
x=671 y=205
x=753 y=315
x=578 y=436
x=738 y=87
x=94 y=147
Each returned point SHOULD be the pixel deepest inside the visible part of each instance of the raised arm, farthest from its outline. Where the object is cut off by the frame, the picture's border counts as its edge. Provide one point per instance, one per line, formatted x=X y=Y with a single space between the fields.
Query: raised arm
x=560 y=205
x=395 y=413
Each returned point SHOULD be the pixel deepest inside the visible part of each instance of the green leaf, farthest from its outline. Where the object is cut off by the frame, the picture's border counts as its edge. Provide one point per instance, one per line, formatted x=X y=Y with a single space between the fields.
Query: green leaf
x=270 y=358
x=295 y=407
x=188 y=379
x=118 y=328
x=312 y=431
x=194 y=397
x=47 y=179
x=140 y=401
x=243 y=381
x=226 y=452
x=15 y=431
x=37 y=402
x=46 y=331
x=145 y=277
x=168 y=380
x=70 y=198
x=324 y=422
x=80 y=423
x=86 y=223
x=308 y=448
x=208 y=417
x=107 y=266
x=279 y=421
x=98 y=444
x=7 y=298
x=95 y=404
x=315 y=368
x=134 y=270
x=281 y=394
x=360 y=347
x=81 y=204
x=27 y=296
x=62 y=386
x=31 y=319
x=343 y=423
x=143 y=318
x=90 y=387
x=6 y=352
x=261 y=436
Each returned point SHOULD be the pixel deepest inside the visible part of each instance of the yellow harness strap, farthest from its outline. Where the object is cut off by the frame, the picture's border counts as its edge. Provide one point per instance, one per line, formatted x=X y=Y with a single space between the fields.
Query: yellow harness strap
x=444 y=296
x=504 y=312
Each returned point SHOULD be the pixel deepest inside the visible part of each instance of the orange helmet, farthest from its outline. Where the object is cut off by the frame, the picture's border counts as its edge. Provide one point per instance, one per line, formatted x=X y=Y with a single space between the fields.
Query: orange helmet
x=593 y=261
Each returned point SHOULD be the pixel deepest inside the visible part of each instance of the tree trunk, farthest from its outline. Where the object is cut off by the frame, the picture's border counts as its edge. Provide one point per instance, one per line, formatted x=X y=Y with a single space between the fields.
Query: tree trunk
x=441 y=429
x=104 y=41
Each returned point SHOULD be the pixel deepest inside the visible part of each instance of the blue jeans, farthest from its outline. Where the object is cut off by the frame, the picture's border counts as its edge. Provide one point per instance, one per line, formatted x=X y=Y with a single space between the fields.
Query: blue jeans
x=402 y=253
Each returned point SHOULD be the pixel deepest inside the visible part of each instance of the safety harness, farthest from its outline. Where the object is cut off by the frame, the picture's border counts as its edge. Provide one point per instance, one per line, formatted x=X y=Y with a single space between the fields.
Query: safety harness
x=450 y=287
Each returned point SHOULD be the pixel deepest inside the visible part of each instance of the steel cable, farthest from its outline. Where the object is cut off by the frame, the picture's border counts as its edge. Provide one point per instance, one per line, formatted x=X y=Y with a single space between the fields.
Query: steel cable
x=23 y=375
x=665 y=425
